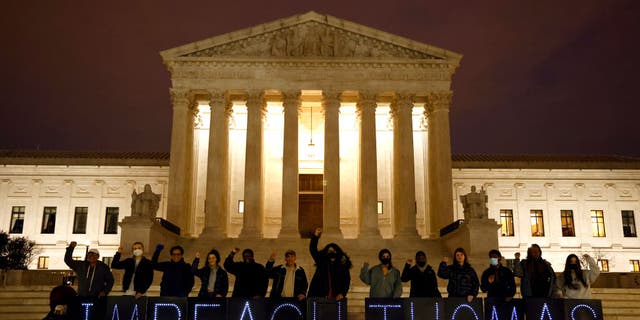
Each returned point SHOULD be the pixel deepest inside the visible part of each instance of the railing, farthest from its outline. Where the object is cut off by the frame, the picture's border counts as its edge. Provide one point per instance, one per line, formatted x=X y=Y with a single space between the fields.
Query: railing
x=451 y=227
x=169 y=226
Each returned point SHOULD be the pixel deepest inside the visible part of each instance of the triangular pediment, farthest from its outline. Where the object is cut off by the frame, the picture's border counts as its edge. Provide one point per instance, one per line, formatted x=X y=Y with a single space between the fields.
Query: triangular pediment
x=310 y=35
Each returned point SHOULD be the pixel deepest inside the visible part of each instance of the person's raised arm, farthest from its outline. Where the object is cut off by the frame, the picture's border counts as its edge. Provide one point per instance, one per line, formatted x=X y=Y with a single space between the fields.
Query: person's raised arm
x=406 y=271
x=116 y=263
x=365 y=274
x=68 y=257
x=313 y=245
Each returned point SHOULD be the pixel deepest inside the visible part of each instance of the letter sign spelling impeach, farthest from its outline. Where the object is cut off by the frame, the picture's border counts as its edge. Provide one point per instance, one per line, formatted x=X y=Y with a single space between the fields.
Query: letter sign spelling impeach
x=246 y=309
x=286 y=309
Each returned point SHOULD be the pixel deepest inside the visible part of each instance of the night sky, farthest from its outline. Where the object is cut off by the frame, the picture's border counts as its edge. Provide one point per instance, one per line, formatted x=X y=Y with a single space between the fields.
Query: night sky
x=537 y=77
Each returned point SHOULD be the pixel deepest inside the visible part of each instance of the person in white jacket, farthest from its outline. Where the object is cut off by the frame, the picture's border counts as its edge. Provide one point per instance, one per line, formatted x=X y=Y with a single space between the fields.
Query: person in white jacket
x=575 y=283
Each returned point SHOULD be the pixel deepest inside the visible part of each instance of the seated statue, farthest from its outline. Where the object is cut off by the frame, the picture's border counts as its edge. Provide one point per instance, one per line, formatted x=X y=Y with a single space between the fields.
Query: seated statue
x=475 y=204
x=145 y=204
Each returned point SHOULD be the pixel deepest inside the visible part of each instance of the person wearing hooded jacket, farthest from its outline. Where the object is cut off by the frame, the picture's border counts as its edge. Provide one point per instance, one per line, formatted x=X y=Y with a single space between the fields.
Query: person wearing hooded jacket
x=289 y=279
x=331 y=278
x=463 y=280
x=538 y=280
x=383 y=278
x=575 y=283
x=138 y=271
x=177 y=280
x=423 y=278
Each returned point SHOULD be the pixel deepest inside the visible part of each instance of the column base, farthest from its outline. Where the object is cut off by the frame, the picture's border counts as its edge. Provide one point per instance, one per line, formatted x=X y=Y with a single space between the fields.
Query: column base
x=370 y=234
x=289 y=234
x=332 y=233
x=407 y=235
x=252 y=233
x=213 y=233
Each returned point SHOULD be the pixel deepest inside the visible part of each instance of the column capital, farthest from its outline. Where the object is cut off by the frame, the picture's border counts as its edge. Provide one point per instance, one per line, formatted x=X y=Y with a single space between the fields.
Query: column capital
x=291 y=99
x=401 y=103
x=331 y=98
x=181 y=98
x=437 y=101
x=220 y=98
x=256 y=99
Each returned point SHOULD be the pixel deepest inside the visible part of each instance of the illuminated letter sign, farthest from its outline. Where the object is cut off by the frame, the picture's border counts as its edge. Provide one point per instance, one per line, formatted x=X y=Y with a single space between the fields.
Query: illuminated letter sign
x=126 y=308
x=286 y=309
x=326 y=309
x=460 y=309
x=498 y=309
x=577 y=309
x=166 y=308
x=200 y=309
x=545 y=309
x=246 y=309
x=423 y=308
x=86 y=310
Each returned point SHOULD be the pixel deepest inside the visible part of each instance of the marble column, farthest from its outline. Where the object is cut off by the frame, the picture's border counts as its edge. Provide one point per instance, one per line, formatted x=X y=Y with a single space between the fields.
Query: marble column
x=291 y=103
x=331 y=179
x=368 y=173
x=439 y=153
x=253 y=167
x=216 y=207
x=404 y=188
x=178 y=207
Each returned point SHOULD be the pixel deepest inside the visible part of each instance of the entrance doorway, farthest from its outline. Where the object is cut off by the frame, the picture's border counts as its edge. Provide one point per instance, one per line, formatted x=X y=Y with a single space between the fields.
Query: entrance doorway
x=309 y=204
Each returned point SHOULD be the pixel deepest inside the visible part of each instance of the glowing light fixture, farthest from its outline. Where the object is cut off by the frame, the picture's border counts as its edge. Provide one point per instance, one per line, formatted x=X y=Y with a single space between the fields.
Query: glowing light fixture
x=311 y=147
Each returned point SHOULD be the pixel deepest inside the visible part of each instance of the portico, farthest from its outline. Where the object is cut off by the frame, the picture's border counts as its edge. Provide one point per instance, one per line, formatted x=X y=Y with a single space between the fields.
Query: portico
x=310 y=94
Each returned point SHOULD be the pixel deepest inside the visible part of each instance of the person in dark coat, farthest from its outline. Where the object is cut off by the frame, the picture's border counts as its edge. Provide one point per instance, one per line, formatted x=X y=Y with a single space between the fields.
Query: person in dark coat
x=215 y=282
x=423 y=278
x=63 y=304
x=95 y=279
x=538 y=280
x=498 y=280
x=332 y=278
x=138 y=271
x=289 y=279
x=177 y=279
x=463 y=280
x=251 y=277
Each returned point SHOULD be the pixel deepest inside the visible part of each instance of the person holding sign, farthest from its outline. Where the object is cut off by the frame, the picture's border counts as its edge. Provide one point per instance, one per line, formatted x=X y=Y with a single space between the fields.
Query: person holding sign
x=383 y=278
x=575 y=282
x=498 y=280
x=138 y=271
x=423 y=278
x=332 y=278
x=214 y=280
x=463 y=280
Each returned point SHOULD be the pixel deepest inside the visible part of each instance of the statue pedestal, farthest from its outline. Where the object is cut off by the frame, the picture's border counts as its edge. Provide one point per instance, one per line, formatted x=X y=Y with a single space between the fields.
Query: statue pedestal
x=477 y=237
x=146 y=230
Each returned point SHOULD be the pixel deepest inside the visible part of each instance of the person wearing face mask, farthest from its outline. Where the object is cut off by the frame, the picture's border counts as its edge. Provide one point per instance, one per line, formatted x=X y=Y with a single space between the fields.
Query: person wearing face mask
x=423 y=278
x=538 y=277
x=498 y=280
x=214 y=280
x=138 y=271
x=177 y=279
x=331 y=278
x=463 y=280
x=383 y=279
x=575 y=283
x=251 y=277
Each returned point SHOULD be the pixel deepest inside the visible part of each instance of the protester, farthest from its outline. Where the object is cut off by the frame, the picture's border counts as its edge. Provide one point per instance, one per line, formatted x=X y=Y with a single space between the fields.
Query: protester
x=289 y=280
x=251 y=277
x=575 y=283
x=95 y=279
x=331 y=278
x=63 y=304
x=538 y=278
x=463 y=280
x=138 y=271
x=383 y=279
x=423 y=278
x=214 y=280
x=497 y=280
x=177 y=280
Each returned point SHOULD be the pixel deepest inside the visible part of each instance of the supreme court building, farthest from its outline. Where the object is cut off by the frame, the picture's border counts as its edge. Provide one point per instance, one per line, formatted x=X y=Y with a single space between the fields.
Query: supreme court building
x=314 y=121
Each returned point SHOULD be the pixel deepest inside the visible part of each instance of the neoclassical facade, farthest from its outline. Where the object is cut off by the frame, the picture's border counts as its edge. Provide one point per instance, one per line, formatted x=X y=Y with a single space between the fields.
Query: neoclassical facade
x=381 y=126
x=315 y=121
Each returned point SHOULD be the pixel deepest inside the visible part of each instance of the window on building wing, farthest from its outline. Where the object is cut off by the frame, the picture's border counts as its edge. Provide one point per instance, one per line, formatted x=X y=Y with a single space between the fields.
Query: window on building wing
x=111 y=220
x=17 y=220
x=628 y=224
x=597 y=223
x=506 y=220
x=537 y=223
x=568 y=228
x=49 y=220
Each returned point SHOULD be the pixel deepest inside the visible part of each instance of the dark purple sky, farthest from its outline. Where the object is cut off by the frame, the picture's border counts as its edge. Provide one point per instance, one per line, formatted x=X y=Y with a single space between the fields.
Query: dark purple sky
x=543 y=77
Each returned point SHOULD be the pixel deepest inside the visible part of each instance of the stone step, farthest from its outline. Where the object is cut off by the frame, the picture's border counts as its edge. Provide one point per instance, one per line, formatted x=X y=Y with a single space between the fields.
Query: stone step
x=41 y=309
x=24 y=301
x=23 y=316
